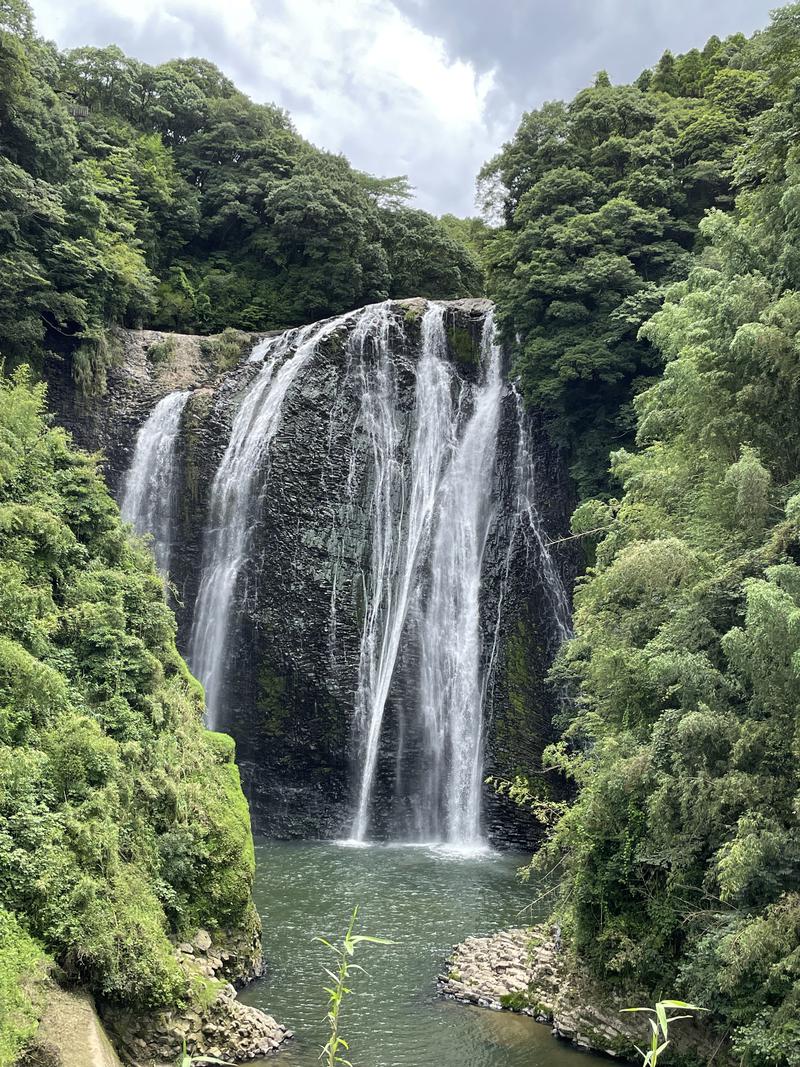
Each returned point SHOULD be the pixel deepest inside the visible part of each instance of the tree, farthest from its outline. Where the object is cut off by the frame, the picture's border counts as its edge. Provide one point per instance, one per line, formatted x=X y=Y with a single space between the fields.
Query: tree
x=681 y=850
x=602 y=202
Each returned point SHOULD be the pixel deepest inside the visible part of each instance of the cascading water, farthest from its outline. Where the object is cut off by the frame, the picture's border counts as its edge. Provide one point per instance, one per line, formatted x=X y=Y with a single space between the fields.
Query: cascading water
x=451 y=690
x=431 y=511
x=149 y=487
x=423 y=534
x=235 y=492
x=427 y=553
x=398 y=532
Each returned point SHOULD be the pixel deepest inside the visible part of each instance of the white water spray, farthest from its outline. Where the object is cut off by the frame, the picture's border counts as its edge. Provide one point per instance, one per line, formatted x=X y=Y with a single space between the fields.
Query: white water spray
x=398 y=533
x=149 y=486
x=451 y=689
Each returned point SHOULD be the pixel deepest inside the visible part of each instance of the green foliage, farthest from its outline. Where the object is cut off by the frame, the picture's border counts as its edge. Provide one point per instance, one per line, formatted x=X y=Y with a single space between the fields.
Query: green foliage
x=161 y=351
x=681 y=853
x=226 y=349
x=22 y=964
x=162 y=196
x=515 y=1001
x=187 y=1060
x=601 y=200
x=660 y=1026
x=122 y=821
x=344 y=953
x=426 y=257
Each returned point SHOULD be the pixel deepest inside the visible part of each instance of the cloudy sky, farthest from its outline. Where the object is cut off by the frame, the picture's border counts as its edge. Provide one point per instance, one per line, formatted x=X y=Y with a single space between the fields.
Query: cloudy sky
x=428 y=88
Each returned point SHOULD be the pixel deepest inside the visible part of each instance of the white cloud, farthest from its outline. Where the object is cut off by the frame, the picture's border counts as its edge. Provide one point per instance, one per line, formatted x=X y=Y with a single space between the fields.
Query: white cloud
x=357 y=76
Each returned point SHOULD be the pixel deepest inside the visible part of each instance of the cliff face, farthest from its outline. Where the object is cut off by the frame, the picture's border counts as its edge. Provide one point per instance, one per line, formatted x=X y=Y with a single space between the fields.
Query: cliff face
x=296 y=627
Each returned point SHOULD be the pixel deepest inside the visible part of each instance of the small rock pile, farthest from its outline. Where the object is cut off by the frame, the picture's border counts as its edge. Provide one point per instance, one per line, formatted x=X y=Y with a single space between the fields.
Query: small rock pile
x=523 y=970
x=236 y=962
x=223 y=1028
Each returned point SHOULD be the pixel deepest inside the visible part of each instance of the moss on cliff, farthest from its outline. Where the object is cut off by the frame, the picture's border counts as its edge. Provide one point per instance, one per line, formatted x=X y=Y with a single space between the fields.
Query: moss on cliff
x=195 y=414
x=272 y=704
x=226 y=349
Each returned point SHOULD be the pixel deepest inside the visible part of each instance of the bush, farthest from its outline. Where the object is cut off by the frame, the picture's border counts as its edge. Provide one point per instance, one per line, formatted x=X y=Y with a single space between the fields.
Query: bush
x=226 y=349
x=122 y=820
x=22 y=964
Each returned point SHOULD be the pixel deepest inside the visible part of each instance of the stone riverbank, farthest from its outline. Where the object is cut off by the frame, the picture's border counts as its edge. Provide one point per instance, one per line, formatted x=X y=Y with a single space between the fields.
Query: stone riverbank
x=528 y=970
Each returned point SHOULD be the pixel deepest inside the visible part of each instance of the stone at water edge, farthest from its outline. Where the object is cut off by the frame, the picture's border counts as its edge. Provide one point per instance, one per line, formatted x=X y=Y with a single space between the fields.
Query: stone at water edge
x=526 y=970
x=225 y=1029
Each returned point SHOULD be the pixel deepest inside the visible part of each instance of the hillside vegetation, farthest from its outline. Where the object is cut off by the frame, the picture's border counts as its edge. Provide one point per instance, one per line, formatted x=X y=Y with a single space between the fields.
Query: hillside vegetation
x=165 y=197
x=681 y=854
x=601 y=200
x=122 y=820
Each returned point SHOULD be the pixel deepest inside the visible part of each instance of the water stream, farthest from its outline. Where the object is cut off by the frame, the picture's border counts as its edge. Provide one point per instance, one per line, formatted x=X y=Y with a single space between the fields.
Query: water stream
x=237 y=488
x=399 y=532
x=425 y=580
x=451 y=689
x=149 y=488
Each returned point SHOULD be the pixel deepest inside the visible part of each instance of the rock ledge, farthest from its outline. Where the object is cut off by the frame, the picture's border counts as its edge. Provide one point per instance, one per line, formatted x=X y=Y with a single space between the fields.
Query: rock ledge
x=528 y=970
x=523 y=970
x=215 y=1024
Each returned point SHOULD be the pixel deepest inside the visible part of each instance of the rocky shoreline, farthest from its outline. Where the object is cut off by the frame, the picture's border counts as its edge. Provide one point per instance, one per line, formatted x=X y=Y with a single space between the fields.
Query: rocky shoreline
x=215 y=1024
x=525 y=970
x=528 y=970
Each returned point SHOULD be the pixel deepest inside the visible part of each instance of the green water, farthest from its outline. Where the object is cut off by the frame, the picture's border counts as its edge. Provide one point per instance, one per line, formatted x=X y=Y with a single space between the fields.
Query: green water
x=426 y=900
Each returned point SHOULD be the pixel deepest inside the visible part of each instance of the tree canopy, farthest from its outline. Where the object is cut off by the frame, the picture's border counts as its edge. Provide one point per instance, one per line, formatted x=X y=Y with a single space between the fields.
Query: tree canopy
x=682 y=849
x=601 y=200
x=164 y=197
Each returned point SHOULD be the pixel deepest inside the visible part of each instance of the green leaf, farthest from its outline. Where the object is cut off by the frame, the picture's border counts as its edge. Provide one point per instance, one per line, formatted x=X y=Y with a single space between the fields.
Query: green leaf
x=661 y=1014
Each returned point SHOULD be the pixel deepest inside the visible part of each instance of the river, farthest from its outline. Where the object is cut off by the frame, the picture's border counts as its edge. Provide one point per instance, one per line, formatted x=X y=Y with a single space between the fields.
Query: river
x=425 y=899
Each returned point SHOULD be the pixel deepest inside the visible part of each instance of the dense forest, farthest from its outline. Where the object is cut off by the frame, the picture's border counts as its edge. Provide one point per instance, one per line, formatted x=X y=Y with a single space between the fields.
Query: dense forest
x=643 y=253
x=121 y=818
x=163 y=196
x=642 y=323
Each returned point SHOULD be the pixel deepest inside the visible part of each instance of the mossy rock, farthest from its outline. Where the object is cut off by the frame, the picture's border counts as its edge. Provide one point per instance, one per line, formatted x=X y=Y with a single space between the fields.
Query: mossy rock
x=463 y=345
x=515 y=1001
x=23 y=967
x=272 y=703
x=196 y=412
x=226 y=349
x=413 y=313
x=221 y=745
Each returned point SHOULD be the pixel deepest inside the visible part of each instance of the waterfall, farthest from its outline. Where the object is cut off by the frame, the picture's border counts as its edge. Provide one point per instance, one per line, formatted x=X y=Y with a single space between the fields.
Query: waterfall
x=402 y=431
x=149 y=486
x=397 y=539
x=235 y=494
x=451 y=689
x=426 y=560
